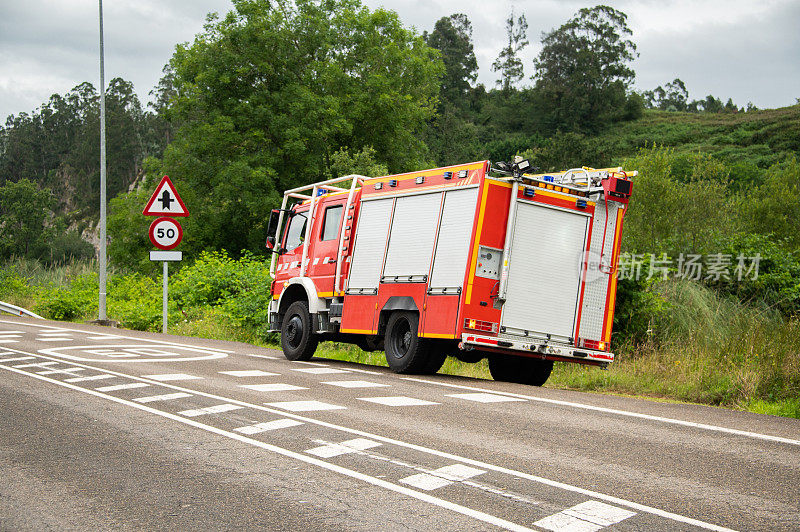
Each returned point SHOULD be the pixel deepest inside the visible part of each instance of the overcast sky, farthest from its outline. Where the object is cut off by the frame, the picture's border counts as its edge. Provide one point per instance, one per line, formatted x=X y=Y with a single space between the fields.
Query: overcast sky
x=748 y=50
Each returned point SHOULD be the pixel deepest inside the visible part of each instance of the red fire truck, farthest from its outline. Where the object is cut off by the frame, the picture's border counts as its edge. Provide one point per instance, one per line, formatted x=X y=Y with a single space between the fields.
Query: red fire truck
x=473 y=261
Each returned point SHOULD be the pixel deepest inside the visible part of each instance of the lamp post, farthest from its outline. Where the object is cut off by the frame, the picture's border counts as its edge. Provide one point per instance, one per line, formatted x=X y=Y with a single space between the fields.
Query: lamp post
x=102 y=317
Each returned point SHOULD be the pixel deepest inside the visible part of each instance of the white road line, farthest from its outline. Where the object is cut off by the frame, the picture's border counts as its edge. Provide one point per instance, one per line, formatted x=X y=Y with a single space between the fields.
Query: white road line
x=165 y=397
x=109 y=337
x=330 y=450
x=457 y=472
x=365 y=371
x=171 y=377
x=216 y=409
x=3 y=333
x=398 y=400
x=8 y=341
x=261 y=356
x=309 y=363
x=426 y=482
x=435 y=452
x=269 y=425
x=36 y=365
x=356 y=384
x=463 y=510
x=67 y=371
x=484 y=397
x=148 y=340
x=129 y=386
x=304 y=406
x=91 y=378
x=672 y=421
x=589 y=516
x=272 y=387
x=16 y=359
x=54 y=339
x=320 y=371
x=441 y=477
x=248 y=373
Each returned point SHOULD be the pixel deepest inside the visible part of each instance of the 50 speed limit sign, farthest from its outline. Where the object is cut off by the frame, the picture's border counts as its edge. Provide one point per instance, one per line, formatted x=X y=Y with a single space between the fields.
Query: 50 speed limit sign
x=165 y=233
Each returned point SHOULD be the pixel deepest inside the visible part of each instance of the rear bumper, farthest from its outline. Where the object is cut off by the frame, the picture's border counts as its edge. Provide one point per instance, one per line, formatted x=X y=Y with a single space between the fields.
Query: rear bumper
x=537 y=348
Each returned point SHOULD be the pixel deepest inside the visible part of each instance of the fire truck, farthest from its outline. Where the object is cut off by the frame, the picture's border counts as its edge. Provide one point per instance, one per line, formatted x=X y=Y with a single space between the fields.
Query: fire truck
x=472 y=261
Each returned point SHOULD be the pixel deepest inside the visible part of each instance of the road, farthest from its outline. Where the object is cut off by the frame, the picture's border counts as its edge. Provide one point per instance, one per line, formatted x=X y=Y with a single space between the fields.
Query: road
x=114 y=429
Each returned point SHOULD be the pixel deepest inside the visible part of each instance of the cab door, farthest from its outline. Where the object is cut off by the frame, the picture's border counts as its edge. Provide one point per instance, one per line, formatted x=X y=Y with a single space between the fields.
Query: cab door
x=324 y=243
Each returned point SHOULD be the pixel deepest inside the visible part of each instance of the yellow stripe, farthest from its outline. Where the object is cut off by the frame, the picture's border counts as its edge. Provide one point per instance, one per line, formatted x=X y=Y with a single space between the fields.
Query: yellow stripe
x=558 y=195
x=433 y=335
x=358 y=331
x=428 y=173
x=478 y=236
x=613 y=297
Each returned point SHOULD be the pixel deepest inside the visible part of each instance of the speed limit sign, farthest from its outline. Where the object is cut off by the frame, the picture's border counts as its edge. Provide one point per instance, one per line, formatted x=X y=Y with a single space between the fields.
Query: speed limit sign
x=165 y=233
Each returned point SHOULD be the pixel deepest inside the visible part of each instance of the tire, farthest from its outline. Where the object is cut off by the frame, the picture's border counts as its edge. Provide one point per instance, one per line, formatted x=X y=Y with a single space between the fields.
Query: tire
x=520 y=370
x=298 y=341
x=406 y=352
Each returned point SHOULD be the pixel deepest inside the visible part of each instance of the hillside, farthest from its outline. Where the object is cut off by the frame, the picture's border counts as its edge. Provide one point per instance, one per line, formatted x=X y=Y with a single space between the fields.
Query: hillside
x=760 y=138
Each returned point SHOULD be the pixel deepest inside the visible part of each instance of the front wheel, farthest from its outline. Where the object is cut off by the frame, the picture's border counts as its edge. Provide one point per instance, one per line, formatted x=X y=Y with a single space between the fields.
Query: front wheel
x=406 y=352
x=298 y=341
x=521 y=370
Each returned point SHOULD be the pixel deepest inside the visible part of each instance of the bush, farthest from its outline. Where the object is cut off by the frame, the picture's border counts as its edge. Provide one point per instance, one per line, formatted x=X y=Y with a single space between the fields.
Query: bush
x=75 y=300
x=135 y=301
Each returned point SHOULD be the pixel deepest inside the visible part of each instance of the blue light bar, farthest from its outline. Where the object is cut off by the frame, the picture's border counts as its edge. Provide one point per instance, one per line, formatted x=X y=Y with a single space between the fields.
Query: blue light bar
x=393 y=182
x=448 y=175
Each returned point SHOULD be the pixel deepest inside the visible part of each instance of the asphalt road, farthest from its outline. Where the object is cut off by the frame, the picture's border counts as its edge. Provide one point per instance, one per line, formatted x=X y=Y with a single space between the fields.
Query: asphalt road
x=111 y=429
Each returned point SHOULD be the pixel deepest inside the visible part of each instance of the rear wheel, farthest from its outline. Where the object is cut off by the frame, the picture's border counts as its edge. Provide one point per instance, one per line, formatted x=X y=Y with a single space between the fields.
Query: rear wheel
x=406 y=352
x=297 y=339
x=521 y=370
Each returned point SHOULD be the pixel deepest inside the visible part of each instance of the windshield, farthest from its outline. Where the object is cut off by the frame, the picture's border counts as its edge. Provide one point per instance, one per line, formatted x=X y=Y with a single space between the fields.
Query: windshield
x=294 y=235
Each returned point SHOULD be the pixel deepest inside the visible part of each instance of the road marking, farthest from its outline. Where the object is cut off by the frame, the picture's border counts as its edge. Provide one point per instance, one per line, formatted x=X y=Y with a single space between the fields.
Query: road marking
x=355 y=384
x=269 y=425
x=129 y=386
x=638 y=415
x=320 y=371
x=365 y=371
x=398 y=400
x=305 y=406
x=5 y=333
x=105 y=337
x=249 y=373
x=8 y=341
x=36 y=365
x=67 y=371
x=92 y=378
x=171 y=377
x=442 y=454
x=589 y=516
x=261 y=356
x=216 y=409
x=309 y=363
x=441 y=477
x=484 y=397
x=16 y=359
x=54 y=339
x=463 y=510
x=148 y=340
x=346 y=447
x=165 y=397
x=272 y=387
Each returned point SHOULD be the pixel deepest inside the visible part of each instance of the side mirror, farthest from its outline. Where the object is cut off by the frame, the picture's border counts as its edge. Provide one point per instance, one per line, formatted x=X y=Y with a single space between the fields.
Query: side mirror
x=271 y=243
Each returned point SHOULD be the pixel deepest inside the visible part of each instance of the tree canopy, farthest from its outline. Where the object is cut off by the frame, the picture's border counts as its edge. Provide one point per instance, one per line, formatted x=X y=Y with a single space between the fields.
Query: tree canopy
x=583 y=72
x=452 y=36
x=266 y=95
x=508 y=63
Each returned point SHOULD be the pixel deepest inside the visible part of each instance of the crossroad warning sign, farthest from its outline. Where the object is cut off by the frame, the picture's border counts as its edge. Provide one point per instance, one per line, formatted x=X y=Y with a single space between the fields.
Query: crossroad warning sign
x=165 y=201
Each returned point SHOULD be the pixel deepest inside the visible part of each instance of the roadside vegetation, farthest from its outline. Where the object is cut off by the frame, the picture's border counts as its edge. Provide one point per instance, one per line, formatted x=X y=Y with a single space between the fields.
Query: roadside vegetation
x=346 y=89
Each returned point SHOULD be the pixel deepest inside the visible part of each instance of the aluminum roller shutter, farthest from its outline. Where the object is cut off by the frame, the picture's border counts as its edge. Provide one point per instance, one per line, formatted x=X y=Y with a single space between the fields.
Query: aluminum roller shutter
x=544 y=270
x=412 y=235
x=455 y=232
x=373 y=225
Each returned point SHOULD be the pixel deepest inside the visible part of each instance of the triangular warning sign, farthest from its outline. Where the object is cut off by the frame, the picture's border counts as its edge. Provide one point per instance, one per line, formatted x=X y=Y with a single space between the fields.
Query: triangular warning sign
x=165 y=201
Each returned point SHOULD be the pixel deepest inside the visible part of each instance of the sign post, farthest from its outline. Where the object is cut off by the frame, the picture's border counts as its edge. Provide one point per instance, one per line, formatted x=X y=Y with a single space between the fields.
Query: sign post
x=165 y=232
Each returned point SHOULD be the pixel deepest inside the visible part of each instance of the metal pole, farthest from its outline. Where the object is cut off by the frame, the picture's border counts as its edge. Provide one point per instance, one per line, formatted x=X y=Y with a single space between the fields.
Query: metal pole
x=165 y=297
x=102 y=277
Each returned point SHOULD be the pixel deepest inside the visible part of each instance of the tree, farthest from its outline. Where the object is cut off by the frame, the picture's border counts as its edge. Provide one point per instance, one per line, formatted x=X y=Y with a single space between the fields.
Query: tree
x=582 y=73
x=24 y=210
x=266 y=95
x=452 y=36
x=508 y=62
x=672 y=97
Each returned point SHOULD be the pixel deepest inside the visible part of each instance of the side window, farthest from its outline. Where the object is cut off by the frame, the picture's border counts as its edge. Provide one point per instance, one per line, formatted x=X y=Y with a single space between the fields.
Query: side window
x=333 y=218
x=294 y=235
